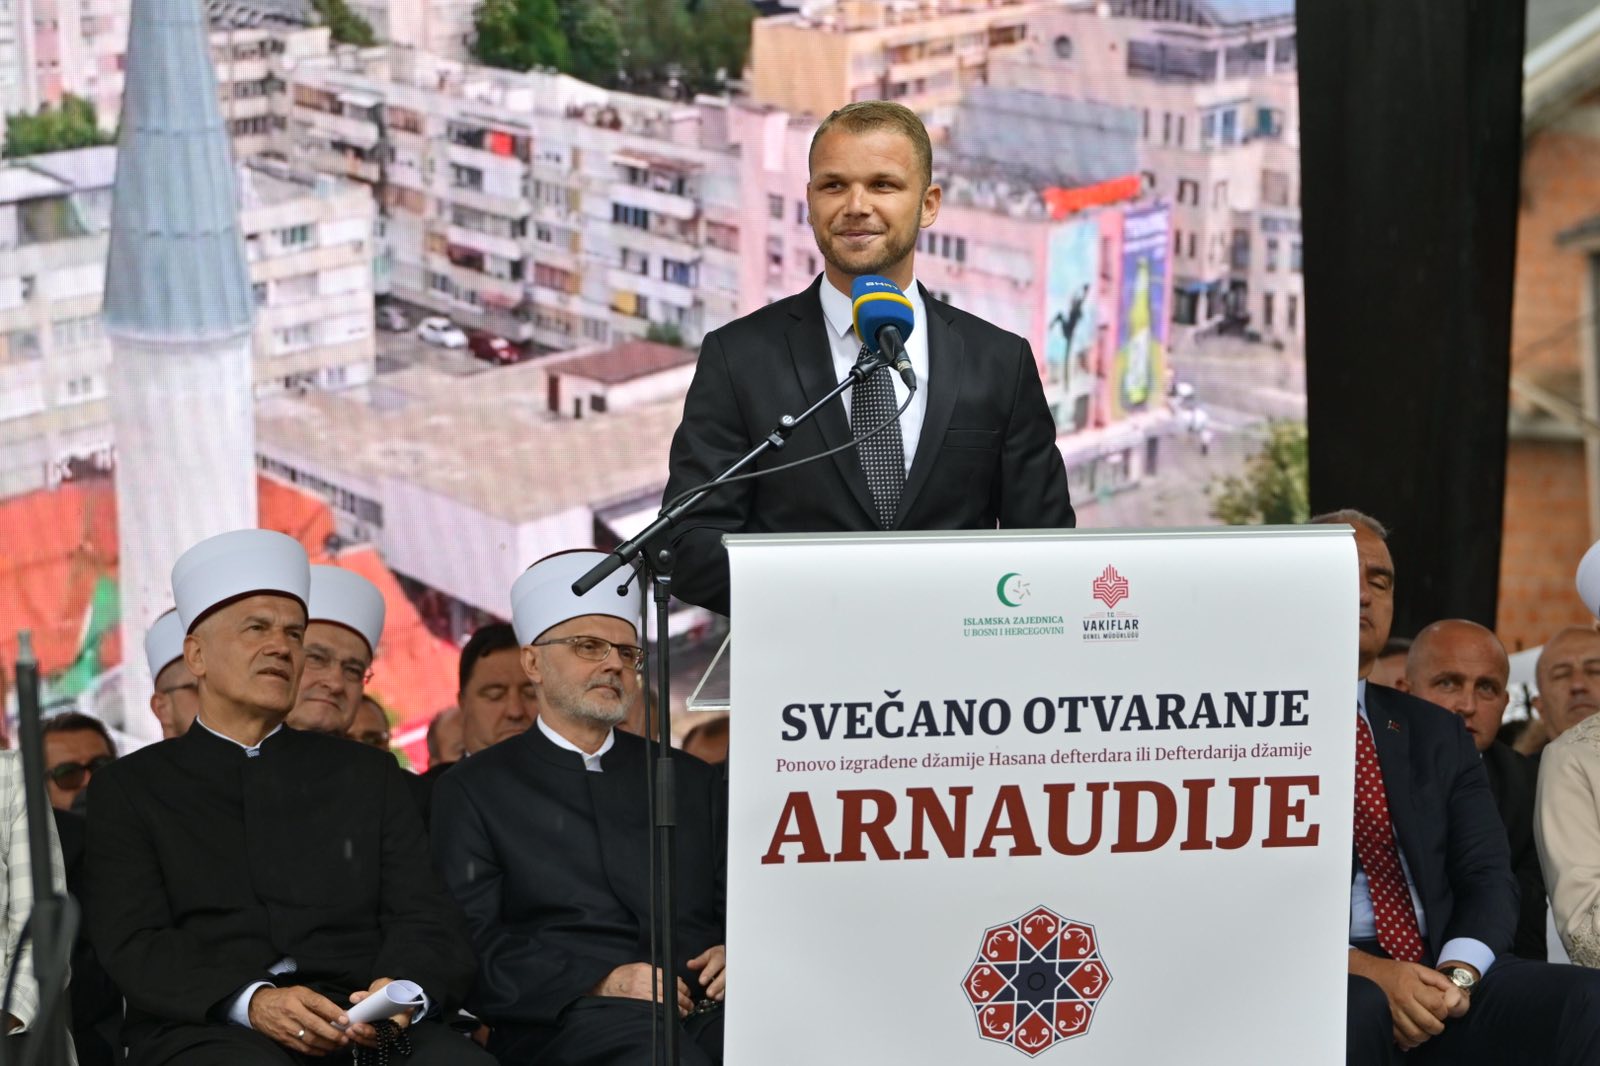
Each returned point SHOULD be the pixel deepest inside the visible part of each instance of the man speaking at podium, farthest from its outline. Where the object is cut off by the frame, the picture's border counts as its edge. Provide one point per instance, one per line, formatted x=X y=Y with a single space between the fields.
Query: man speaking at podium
x=976 y=447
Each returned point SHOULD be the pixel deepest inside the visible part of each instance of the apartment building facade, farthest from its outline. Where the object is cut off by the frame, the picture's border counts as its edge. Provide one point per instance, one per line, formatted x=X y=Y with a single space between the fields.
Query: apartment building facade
x=532 y=205
x=921 y=53
x=1212 y=87
x=308 y=241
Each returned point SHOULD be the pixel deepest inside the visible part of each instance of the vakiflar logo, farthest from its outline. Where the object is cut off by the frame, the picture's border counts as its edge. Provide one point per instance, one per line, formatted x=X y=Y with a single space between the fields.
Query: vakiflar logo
x=1012 y=589
x=1110 y=588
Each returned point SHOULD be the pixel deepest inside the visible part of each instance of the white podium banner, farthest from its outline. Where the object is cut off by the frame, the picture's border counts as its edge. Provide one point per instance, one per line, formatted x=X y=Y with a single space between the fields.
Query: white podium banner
x=1084 y=796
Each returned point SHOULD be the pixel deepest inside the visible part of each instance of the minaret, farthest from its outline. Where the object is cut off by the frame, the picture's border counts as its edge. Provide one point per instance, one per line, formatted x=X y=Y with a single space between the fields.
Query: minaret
x=178 y=314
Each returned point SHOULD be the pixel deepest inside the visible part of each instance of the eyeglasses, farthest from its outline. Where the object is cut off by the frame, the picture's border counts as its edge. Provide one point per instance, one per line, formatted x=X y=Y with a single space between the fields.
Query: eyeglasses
x=355 y=671
x=72 y=775
x=596 y=650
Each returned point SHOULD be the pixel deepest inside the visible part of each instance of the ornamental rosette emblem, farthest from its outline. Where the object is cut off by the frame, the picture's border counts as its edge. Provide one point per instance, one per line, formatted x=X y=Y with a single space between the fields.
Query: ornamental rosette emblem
x=1036 y=981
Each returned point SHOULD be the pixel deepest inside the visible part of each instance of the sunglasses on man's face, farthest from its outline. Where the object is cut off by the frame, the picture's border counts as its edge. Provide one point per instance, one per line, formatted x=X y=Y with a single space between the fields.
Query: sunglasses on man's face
x=73 y=775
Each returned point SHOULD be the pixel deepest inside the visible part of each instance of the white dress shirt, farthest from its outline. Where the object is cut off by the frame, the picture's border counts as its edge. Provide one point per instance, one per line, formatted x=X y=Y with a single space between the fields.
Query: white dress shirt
x=1363 y=922
x=590 y=762
x=846 y=347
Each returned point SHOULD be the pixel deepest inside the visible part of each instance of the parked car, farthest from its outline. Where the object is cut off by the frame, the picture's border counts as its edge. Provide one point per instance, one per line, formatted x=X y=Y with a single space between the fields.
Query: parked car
x=441 y=331
x=492 y=348
x=391 y=319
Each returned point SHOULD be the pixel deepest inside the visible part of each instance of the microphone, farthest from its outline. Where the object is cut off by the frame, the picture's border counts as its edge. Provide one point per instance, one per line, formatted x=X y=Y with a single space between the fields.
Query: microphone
x=883 y=319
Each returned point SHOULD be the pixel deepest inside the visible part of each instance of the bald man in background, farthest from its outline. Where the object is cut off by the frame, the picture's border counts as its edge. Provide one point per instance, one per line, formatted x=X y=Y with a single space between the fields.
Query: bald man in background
x=1462 y=667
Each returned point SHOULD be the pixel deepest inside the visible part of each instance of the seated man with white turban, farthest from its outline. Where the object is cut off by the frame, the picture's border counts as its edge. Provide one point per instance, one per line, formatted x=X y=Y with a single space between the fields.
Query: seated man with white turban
x=249 y=882
x=545 y=840
x=343 y=623
x=175 y=700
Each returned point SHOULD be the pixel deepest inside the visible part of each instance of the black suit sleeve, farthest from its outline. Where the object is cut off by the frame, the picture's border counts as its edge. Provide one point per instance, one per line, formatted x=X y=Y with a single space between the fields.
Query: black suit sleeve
x=711 y=437
x=1033 y=478
x=162 y=970
x=520 y=978
x=1477 y=857
x=424 y=936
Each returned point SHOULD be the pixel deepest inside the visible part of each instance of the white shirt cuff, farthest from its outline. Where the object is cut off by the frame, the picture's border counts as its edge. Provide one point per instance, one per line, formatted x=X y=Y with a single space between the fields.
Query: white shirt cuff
x=1474 y=953
x=239 y=1012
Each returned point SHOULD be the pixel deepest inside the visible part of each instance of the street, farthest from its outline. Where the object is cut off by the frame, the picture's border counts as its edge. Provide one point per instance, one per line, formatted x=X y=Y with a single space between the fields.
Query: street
x=1240 y=386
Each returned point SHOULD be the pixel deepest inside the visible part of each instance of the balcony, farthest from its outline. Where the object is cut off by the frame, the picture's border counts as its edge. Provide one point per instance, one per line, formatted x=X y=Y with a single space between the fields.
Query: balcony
x=660 y=203
x=359 y=132
x=478 y=241
x=479 y=159
x=346 y=164
x=504 y=206
x=653 y=288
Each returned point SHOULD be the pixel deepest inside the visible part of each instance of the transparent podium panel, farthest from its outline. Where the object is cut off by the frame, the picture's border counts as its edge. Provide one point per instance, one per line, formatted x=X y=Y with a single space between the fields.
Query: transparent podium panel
x=713 y=693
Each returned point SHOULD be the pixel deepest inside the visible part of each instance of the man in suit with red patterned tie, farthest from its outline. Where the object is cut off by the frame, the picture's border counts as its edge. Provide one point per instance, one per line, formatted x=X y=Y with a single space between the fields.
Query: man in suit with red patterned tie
x=1433 y=900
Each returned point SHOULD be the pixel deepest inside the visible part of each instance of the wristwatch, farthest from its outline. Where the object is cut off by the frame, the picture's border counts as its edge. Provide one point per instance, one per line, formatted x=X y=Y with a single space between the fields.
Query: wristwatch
x=1462 y=978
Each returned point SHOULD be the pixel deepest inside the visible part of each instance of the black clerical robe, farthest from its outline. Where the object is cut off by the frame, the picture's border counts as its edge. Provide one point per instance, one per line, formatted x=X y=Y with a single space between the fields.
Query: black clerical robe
x=208 y=866
x=550 y=861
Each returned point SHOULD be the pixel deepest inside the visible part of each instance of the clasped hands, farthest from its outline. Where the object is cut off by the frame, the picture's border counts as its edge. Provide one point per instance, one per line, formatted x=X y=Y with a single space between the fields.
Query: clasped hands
x=305 y=1021
x=1421 y=1000
x=634 y=981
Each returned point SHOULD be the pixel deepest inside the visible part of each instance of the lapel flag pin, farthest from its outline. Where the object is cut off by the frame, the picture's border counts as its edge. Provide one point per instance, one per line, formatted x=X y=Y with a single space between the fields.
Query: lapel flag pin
x=1394 y=726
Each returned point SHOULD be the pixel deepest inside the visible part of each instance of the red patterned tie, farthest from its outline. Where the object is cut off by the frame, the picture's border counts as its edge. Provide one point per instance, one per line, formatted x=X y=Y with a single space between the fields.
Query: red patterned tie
x=1393 y=913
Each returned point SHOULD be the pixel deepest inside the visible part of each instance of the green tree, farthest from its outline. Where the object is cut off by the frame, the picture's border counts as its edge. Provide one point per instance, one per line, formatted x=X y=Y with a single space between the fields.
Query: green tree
x=345 y=25
x=665 y=333
x=594 y=40
x=1276 y=486
x=53 y=129
x=721 y=40
x=658 y=36
x=519 y=35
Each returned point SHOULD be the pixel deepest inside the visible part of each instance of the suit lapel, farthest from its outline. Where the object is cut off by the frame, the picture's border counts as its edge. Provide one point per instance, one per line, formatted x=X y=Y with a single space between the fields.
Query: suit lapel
x=1393 y=740
x=812 y=355
x=946 y=354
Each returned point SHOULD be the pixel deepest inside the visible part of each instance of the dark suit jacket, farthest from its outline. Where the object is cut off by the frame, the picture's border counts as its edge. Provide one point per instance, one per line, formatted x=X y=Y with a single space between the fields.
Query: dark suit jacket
x=986 y=456
x=1514 y=780
x=1444 y=820
x=206 y=867
x=551 y=864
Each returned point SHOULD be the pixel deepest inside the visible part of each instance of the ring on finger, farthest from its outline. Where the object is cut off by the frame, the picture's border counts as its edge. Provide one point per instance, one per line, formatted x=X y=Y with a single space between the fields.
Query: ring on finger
x=300 y=1035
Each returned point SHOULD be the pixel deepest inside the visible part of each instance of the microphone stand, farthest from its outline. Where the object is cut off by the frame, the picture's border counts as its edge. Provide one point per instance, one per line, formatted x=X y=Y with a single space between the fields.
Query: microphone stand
x=657 y=568
x=53 y=923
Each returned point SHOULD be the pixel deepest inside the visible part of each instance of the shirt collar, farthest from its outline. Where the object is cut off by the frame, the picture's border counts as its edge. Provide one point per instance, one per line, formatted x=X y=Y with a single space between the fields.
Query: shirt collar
x=836 y=306
x=590 y=762
x=1361 y=696
x=250 y=750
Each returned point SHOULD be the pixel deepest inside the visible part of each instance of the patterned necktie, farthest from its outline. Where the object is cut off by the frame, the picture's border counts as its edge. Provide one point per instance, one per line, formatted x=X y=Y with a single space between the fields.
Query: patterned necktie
x=883 y=457
x=1392 y=911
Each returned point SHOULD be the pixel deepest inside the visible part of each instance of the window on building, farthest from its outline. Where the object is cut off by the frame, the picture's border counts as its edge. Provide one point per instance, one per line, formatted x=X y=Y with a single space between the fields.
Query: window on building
x=1063 y=47
x=1295 y=257
x=1266 y=309
x=774 y=257
x=292 y=236
x=466 y=177
x=626 y=215
x=679 y=273
x=1191 y=245
x=1146 y=124
x=1219 y=194
x=19 y=345
x=1272 y=254
x=1179 y=139
x=1228 y=126
x=799 y=212
x=1291 y=312
x=259 y=291
x=1275 y=188
x=775 y=207
x=1188 y=191
x=1166 y=127
x=1269 y=123
x=635 y=262
x=1208 y=131
x=1177 y=242
x=961 y=249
